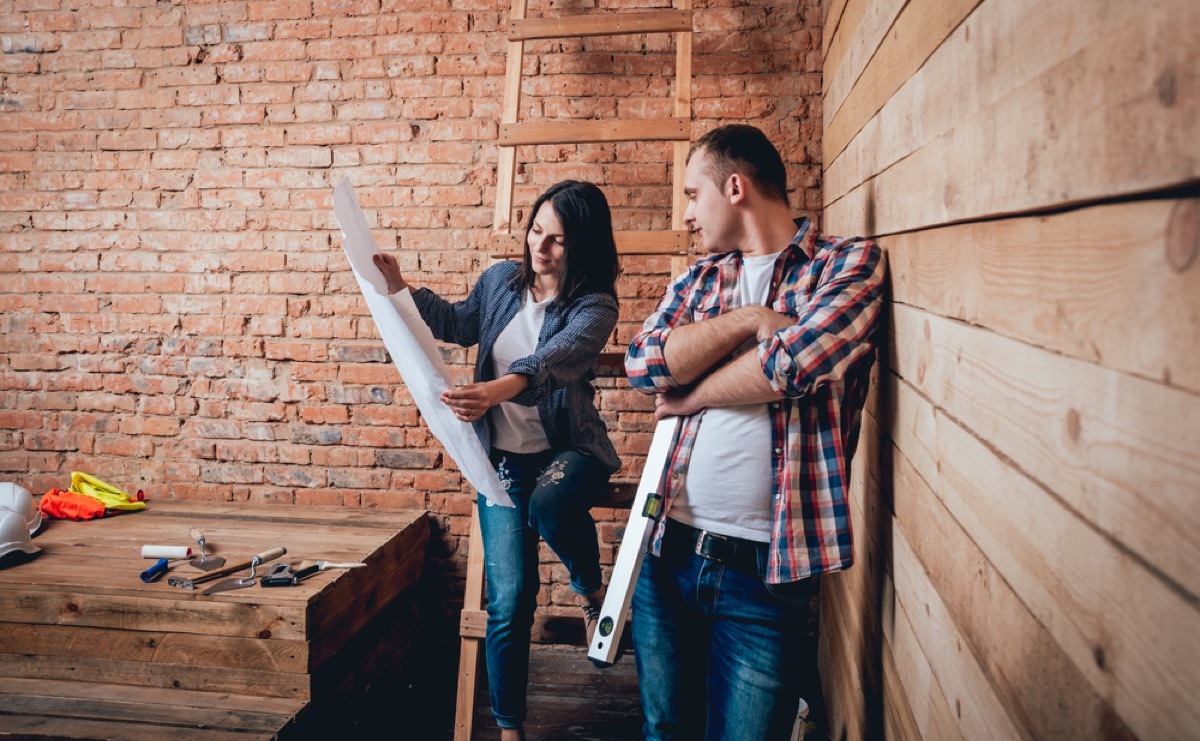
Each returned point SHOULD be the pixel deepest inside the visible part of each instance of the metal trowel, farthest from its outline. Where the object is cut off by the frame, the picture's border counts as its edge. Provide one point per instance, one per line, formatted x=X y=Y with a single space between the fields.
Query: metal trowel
x=204 y=562
x=242 y=583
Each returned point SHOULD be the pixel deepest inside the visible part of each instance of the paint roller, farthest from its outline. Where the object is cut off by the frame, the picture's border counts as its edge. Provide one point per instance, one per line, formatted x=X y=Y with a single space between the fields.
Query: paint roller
x=165 y=554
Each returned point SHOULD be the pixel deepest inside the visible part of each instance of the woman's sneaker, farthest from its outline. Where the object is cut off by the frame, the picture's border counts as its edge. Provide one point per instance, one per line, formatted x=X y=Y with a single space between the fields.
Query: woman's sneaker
x=591 y=618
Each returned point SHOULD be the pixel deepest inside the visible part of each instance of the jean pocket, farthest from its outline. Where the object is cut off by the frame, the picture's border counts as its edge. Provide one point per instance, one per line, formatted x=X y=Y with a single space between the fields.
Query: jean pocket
x=805 y=593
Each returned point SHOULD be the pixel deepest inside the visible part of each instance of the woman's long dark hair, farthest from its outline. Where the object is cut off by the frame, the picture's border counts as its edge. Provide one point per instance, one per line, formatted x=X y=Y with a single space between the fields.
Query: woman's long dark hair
x=590 y=253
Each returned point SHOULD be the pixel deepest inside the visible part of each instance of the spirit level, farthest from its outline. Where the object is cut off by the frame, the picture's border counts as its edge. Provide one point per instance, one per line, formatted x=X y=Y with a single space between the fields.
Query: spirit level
x=647 y=506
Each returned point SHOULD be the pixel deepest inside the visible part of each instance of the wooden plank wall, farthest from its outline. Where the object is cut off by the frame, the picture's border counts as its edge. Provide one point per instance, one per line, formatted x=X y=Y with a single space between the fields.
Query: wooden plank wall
x=1027 y=488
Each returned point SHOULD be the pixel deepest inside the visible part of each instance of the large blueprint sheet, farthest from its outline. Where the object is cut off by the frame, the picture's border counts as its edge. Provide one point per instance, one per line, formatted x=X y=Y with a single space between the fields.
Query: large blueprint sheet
x=413 y=349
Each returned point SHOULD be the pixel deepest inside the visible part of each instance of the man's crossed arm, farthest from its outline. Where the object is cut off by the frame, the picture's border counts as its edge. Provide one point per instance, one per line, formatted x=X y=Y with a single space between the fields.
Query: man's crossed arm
x=694 y=351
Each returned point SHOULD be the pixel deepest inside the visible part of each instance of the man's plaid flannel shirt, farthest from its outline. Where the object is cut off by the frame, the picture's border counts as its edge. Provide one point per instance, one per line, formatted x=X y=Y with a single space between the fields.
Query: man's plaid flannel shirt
x=820 y=367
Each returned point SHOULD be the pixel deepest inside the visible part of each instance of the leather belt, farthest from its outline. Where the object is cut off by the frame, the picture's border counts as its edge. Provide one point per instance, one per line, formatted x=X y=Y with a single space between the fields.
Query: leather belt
x=737 y=553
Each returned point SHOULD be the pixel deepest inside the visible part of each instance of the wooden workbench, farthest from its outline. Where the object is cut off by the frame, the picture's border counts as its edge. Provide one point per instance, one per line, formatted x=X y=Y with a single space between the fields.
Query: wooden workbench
x=89 y=651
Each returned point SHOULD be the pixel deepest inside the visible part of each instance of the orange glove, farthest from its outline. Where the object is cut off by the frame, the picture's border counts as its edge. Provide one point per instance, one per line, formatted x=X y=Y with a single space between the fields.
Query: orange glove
x=69 y=505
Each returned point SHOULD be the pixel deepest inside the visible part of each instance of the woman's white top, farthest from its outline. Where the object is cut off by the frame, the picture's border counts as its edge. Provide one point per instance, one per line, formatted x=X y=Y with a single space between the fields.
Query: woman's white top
x=517 y=428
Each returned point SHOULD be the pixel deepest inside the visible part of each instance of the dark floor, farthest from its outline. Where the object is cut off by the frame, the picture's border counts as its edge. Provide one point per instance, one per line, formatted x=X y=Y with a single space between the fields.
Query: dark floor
x=571 y=699
x=568 y=699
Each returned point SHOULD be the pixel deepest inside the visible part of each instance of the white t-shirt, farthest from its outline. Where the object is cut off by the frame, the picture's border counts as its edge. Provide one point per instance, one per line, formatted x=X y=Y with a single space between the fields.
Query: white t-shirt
x=728 y=484
x=517 y=428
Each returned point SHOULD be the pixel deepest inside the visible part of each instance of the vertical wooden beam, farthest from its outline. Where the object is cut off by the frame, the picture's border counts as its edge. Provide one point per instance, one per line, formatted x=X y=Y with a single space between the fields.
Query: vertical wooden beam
x=468 y=659
x=683 y=109
x=506 y=168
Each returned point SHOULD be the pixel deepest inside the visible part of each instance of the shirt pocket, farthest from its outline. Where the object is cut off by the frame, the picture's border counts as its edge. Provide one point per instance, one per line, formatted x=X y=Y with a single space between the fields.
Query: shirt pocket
x=706 y=306
x=791 y=302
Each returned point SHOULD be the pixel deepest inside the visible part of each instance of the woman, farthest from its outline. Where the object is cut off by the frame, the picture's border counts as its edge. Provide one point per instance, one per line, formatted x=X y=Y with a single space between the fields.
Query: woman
x=540 y=325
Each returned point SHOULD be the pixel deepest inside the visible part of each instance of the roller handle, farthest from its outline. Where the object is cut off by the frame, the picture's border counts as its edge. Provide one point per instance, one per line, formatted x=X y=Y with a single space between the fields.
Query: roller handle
x=156 y=571
x=166 y=551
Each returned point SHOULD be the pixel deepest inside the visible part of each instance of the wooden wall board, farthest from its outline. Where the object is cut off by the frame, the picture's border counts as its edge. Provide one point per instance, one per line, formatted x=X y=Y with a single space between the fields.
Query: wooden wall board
x=1027 y=39
x=1119 y=117
x=834 y=9
x=845 y=700
x=1119 y=298
x=838 y=33
x=926 y=699
x=1045 y=694
x=915 y=35
x=1043 y=471
x=852 y=670
x=979 y=712
x=1117 y=449
x=898 y=720
x=845 y=61
x=1130 y=637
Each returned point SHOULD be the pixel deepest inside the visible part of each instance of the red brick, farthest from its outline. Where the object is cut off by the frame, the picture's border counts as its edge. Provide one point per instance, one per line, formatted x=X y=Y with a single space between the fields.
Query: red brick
x=323 y=414
x=124 y=447
x=376 y=437
x=214 y=473
x=269 y=51
x=393 y=499
x=437 y=481
x=257 y=10
x=158 y=426
x=325 y=498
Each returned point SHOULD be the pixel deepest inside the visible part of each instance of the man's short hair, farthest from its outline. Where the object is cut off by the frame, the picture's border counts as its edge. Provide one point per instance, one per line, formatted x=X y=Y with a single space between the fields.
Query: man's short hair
x=743 y=149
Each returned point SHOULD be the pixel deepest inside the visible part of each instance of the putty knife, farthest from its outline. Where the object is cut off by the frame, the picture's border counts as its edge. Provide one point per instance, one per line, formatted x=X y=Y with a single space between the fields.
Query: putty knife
x=228 y=584
x=185 y=583
x=205 y=562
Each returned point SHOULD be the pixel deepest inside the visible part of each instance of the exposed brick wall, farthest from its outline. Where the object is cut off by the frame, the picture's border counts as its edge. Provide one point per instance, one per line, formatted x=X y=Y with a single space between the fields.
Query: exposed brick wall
x=177 y=312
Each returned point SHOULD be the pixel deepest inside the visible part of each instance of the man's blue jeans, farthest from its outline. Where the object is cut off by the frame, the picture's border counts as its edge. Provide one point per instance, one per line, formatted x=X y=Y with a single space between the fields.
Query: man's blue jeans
x=720 y=657
x=552 y=493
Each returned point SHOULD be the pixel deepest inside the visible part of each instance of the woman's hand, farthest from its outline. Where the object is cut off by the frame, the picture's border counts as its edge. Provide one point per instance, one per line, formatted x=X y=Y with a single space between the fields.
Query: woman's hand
x=391 y=272
x=471 y=402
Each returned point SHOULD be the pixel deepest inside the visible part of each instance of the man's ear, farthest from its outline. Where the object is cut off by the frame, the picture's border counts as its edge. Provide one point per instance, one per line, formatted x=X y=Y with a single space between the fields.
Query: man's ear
x=735 y=188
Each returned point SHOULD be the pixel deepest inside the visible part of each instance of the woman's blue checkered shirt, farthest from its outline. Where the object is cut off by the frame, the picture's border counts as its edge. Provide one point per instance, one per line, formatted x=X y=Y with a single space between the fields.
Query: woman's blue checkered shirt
x=560 y=370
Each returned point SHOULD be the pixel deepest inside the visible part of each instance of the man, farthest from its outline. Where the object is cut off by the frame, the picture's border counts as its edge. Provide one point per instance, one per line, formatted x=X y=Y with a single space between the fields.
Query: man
x=763 y=347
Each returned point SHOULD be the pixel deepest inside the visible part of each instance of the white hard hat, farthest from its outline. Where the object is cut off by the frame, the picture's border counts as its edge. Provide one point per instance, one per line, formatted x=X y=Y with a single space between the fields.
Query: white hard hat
x=14 y=536
x=19 y=500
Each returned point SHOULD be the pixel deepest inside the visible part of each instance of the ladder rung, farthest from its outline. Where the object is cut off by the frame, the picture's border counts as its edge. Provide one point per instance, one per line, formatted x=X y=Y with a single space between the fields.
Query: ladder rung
x=661 y=242
x=609 y=24
x=581 y=132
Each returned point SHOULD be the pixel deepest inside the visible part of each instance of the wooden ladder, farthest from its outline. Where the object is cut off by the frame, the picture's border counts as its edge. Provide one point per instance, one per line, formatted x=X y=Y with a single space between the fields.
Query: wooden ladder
x=507 y=245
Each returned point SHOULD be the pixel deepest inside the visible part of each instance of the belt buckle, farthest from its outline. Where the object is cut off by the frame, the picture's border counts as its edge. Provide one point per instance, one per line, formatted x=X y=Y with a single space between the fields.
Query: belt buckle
x=703 y=537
